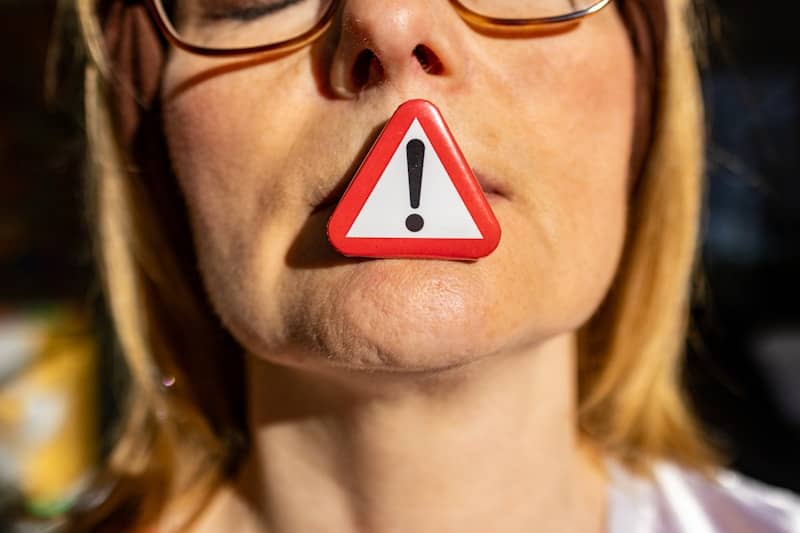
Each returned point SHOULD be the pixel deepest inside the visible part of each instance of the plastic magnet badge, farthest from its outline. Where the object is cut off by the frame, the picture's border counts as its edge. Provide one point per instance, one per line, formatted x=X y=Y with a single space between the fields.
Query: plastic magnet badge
x=414 y=196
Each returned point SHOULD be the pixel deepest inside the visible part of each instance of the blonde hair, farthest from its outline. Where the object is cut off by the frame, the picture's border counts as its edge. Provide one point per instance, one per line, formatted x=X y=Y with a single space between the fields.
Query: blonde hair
x=175 y=437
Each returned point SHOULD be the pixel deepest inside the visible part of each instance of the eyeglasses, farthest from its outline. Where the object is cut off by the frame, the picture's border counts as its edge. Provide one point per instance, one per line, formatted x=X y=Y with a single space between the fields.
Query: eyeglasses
x=237 y=27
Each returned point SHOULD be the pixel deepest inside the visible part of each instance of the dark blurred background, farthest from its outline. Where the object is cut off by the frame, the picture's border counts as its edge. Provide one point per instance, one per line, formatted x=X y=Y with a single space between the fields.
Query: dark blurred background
x=744 y=358
x=744 y=369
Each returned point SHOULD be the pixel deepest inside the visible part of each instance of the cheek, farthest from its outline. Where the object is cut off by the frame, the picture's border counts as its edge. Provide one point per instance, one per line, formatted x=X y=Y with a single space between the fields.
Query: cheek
x=593 y=185
x=577 y=102
x=228 y=140
x=212 y=124
x=223 y=139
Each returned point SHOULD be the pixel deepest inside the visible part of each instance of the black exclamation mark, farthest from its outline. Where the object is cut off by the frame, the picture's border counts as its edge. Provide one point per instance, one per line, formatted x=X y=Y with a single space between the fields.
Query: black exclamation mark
x=415 y=156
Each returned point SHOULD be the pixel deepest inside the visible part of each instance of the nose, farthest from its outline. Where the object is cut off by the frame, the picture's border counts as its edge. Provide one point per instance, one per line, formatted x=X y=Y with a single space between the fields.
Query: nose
x=395 y=42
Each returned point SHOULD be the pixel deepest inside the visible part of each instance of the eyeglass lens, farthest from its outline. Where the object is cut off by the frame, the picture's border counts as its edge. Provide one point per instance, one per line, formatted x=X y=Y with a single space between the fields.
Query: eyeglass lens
x=230 y=24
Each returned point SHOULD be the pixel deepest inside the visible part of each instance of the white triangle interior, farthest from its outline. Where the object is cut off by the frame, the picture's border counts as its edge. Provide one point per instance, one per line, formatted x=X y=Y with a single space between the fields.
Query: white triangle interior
x=444 y=213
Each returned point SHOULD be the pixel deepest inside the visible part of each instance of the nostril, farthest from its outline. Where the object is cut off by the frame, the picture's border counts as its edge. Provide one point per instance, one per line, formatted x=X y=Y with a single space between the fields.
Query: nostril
x=428 y=60
x=367 y=69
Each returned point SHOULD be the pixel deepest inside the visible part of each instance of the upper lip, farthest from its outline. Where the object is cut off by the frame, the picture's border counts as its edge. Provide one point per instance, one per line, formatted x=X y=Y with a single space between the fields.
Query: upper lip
x=488 y=184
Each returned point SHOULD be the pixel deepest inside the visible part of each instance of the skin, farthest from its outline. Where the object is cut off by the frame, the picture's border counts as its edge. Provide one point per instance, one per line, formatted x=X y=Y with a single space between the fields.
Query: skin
x=409 y=395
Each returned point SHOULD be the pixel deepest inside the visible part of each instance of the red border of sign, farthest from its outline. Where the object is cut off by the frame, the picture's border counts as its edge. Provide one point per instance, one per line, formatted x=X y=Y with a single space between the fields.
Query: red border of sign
x=370 y=172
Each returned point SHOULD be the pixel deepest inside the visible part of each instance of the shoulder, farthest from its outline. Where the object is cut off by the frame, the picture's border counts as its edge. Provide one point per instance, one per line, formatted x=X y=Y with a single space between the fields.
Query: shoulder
x=677 y=500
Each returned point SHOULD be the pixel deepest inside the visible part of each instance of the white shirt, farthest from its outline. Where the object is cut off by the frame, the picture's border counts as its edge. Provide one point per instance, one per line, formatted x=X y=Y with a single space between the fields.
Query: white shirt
x=677 y=500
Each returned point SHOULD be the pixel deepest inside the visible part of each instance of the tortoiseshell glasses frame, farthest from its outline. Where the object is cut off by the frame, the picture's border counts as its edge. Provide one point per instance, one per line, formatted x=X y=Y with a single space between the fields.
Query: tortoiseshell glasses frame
x=475 y=19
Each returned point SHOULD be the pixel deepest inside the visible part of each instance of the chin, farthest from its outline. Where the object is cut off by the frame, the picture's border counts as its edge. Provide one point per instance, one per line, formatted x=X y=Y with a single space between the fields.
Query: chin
x=388 y=346
x=401 y=316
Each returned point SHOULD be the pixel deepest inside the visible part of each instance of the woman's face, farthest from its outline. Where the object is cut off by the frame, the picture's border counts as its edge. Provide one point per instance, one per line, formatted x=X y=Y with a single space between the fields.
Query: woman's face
x=259 y=145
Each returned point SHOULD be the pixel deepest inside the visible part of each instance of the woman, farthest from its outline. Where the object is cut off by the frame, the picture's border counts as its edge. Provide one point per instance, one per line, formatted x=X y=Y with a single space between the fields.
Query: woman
x=280 y=387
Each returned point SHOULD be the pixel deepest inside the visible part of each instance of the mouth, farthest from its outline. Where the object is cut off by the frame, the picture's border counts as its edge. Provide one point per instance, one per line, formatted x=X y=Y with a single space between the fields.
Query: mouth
x=331 y=198
x=493 y=189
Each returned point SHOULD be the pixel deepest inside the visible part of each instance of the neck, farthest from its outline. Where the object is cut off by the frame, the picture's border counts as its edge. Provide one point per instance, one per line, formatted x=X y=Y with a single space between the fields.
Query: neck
x=490 y=445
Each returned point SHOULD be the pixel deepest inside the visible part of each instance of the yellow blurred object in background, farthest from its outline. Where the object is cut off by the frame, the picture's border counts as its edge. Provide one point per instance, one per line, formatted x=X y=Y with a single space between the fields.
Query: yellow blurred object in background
x=48 y=406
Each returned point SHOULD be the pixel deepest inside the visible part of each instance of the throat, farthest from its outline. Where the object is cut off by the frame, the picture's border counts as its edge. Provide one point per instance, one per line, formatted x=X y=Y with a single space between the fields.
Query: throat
x=499 y=449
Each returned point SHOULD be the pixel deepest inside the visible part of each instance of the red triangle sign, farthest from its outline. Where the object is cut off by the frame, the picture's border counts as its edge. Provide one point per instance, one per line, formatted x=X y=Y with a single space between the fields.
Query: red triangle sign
x=414 y=196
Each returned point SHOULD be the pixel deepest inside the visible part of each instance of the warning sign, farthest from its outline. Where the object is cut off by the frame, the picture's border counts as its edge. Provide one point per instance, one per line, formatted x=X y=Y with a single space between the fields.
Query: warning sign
x=414 y=196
